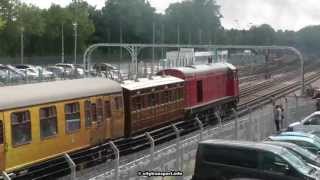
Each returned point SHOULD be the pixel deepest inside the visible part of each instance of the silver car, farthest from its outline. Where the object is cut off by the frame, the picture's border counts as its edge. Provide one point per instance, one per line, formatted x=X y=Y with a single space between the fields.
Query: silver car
x=310 y=123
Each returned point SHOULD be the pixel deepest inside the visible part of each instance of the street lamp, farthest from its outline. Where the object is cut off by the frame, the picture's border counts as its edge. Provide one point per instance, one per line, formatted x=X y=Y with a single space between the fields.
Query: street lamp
x=75 y=29
x=22 y=43
x=62 y=44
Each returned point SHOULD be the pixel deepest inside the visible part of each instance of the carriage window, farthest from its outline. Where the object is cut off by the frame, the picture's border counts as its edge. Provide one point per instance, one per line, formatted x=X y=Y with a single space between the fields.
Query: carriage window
x=152 y=99
x=118 y=103
x=48 y=121
x=99 y=110
x=87 y=113
x=137 y=105
x=21 y=127
x=165 y=97
x=107 y=108
x=72 y=115
x=94 y=112
x=180 y=93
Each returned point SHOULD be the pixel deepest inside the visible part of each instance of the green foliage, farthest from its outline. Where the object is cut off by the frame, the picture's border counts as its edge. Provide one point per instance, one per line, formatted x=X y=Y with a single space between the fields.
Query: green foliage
x=2 y=23
x=198 y=21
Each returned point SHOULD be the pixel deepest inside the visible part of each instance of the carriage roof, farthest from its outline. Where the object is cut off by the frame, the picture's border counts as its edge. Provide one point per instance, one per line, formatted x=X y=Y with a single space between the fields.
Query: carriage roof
x=143 y=83
x=48 y=92
x=204 y=68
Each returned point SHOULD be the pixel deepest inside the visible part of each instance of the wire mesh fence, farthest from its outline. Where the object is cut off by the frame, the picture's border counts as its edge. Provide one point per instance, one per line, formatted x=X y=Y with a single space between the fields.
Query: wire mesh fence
x=178 y=157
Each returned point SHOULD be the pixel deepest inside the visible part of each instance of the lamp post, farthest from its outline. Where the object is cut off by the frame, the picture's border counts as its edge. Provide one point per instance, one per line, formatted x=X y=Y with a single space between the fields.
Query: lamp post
x=22 y=44
x=62 y=44
x=75 y=28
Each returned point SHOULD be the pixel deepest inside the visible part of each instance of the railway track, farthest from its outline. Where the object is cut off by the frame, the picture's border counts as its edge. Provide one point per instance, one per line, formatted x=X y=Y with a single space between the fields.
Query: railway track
x=91 y=157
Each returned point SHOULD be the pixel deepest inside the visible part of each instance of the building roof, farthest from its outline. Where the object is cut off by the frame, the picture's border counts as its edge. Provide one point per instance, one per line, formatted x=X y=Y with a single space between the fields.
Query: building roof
x=143 y=83
x=205 y=68
x=48 y=92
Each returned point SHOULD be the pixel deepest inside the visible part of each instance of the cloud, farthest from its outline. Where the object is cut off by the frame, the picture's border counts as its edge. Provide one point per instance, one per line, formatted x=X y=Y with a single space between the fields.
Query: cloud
x=281 y=14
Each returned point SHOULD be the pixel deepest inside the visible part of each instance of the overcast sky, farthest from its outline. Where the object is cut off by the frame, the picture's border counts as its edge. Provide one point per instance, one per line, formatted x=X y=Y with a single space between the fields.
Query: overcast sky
x=241 y=14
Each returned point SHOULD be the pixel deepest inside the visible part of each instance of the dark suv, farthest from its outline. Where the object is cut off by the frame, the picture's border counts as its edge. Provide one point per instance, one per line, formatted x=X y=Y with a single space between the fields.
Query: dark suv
x=225 y=160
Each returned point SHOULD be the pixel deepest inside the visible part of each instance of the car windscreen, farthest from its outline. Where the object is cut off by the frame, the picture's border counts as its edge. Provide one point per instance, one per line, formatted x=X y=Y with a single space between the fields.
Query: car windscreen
x=296 y=162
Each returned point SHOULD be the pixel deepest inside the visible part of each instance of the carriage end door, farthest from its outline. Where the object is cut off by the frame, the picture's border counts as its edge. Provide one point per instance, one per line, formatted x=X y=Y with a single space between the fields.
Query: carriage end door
x=2 y=150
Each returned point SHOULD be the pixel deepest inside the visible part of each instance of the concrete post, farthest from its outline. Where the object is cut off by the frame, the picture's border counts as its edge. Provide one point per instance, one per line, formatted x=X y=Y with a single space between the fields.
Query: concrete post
x=5 y=176
x=117 y=159
x=250 y=129
x=219 y=119
x=152 y=144
x=201 y=127
x=72 y=166
x=286 y=112
x=235 y=123
x=176 y=130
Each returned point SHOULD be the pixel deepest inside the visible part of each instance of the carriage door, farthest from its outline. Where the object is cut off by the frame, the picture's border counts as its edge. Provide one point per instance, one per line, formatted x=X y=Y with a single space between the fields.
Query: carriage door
x=1 y=142
x=98 y=122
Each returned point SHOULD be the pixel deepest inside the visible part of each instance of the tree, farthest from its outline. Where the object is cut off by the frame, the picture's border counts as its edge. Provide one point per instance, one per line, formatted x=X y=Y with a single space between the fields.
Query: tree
x=2 y=23
x=133 y=17
x=196 y=19
x=308 y=38
x=261 y=35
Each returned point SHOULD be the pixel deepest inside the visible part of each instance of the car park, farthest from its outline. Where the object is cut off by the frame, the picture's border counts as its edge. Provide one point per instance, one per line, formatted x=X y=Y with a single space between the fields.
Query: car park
x=312 y=159
x=222 y=160
x=311 y=122
x=306 y=142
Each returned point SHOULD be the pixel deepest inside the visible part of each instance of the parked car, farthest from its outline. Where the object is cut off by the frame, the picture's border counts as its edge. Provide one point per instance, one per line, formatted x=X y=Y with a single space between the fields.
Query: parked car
x=103 y=67
x=11 y=73
x=79 y=69
x=44 y=72
x=311 y=122
x=312 y=159
x=68 y=68
x=306 y=142
x=223 y=160
x=56 y=70
x=30 y=71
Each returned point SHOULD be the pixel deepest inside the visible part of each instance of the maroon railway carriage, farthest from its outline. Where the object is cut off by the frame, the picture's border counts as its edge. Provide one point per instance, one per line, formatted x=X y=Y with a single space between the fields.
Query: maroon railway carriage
x=208 y=88
x=151 y=103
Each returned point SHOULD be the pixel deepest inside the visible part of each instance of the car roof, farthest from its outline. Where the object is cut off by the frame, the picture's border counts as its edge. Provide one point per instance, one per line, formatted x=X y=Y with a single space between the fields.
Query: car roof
x=281 y=143
x=244 y=144
x=302 y=134
x=299 y=138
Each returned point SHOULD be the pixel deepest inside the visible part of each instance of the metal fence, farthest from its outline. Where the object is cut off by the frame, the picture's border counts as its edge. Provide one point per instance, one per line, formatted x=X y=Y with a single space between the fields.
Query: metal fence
x=179 y=155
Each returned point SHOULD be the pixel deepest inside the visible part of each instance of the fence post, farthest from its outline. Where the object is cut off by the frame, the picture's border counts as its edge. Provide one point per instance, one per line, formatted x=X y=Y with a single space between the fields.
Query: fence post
x=151 y=140
x=297 y=104
x=179 y=151
x=117 y=159
x=250 y=132
x=72 y=166
x=5 y=176
x=286 y=118
x=176 y=130
x=235 y=123
x=219 y=119
x=200 y=126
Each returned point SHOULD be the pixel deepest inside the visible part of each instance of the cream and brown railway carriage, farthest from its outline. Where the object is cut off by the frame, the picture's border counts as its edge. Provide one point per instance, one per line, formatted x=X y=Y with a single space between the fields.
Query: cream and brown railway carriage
x=151 y=103
x=44 y=120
